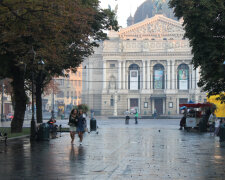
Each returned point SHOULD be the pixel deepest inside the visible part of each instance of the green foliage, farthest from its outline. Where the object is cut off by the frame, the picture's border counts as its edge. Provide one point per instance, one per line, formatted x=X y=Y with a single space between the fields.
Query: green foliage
x=25 y=131
x=204 y=23
x=62 y=33
x=84 y=107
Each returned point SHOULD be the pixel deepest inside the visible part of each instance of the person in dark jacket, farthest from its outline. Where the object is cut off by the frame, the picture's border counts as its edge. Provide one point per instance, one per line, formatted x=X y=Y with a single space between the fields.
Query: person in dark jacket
x=183 y=119
x=81 y=125
x=73 y=120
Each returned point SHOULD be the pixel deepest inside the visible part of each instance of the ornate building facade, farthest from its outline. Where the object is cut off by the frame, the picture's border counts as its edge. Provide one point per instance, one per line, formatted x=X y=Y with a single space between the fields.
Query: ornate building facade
x=145 y=66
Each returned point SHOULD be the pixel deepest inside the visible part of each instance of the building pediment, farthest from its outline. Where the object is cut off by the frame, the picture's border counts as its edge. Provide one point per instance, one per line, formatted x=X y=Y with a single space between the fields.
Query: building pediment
x=156 y=27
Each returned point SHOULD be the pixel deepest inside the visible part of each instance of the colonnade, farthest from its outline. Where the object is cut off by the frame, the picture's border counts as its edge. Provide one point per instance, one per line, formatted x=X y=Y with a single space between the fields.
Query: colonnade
x=146 y=73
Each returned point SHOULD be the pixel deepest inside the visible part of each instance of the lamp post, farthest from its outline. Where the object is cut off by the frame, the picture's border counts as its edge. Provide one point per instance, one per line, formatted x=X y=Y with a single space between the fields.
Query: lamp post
x=2 y=107
x=33 y=123
x=115 y=105
x=53 y=100
x=39 y=85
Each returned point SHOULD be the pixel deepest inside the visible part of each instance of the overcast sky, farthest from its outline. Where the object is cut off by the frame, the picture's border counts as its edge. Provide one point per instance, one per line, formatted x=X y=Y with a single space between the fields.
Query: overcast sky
x=125 y=8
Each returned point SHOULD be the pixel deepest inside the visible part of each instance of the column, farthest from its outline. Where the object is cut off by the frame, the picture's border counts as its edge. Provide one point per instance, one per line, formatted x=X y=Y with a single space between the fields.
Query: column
x=190 y=77
x=104 y=75
x=143 y=72
x=177 y=105
x=87 y=76
x=115 y=105
x=124 y=75
x=90 y=81
x=173 y=75
x=152 y=78
x=197 y=77
x=119 y=74
x=148 y=74
x=168 y=75
x=193 y=77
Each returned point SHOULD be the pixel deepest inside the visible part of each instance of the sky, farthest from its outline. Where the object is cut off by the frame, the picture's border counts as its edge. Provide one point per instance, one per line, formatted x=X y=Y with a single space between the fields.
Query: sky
x=125 y=8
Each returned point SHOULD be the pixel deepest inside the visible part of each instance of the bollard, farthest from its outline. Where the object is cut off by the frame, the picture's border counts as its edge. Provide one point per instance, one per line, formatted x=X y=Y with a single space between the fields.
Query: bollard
x=60 y=129
x=93 y=125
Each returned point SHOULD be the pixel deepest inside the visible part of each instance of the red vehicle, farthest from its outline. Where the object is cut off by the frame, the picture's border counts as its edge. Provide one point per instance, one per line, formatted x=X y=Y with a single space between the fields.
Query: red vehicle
x=194 y=113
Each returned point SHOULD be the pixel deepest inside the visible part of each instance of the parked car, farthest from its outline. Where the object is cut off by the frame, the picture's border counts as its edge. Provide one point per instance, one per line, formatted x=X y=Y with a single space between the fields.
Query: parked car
x=9 y=117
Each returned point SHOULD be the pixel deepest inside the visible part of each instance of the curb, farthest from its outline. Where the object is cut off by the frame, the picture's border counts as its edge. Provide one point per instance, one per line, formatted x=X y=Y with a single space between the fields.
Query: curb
x=18 y=137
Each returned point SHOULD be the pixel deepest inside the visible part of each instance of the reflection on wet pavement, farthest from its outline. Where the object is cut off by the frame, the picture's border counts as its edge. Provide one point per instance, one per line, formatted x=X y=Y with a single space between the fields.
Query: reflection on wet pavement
x=118 y=152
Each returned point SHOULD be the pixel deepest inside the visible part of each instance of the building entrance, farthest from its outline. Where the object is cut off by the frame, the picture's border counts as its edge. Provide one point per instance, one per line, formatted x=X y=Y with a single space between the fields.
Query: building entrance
x=159 y=106
x=133 y=105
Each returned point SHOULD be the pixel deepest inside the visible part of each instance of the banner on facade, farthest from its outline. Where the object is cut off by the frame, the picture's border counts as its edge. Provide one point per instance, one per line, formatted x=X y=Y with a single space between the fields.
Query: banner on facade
x=134 y=80
x=158 y=82
x=183 y=79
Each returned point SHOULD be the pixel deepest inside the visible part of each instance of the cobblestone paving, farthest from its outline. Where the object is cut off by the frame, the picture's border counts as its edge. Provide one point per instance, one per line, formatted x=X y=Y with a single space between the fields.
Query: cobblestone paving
x=153 y=149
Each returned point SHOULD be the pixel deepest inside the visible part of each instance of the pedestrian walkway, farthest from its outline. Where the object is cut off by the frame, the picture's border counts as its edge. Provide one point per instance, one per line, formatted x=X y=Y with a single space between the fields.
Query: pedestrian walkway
x=153 y=149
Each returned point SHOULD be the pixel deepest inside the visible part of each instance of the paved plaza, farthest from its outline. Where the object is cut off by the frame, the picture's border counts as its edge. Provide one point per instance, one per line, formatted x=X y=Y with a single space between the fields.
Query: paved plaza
x=153 y=149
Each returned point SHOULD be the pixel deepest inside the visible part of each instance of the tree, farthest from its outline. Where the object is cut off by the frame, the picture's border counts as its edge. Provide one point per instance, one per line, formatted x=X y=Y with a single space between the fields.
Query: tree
x=204 y=23
x=63 y=33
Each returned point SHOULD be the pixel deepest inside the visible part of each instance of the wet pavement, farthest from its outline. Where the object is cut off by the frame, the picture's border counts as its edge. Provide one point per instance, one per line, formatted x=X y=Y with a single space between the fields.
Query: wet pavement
x=153 y=149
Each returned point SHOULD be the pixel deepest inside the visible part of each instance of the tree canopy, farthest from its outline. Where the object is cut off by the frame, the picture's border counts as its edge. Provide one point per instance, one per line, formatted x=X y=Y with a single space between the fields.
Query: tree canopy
x=204 y=23
x=62 y=33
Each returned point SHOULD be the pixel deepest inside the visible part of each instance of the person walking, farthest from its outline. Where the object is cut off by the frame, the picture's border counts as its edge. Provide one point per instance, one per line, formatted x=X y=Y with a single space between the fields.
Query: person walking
x=127 y=117
x=81 y=125
x=136 y=117
x=73 y=121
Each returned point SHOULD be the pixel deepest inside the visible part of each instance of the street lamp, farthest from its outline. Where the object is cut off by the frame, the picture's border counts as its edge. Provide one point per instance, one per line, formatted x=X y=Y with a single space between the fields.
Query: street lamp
x=33 y=123
x=39 y=85
x=2 y=107
x=115 y=104
x=41 y=64
x=53 y=100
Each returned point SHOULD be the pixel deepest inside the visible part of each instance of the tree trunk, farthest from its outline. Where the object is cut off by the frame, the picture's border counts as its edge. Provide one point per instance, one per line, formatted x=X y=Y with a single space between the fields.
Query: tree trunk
x=20 y=100
x=39 y=100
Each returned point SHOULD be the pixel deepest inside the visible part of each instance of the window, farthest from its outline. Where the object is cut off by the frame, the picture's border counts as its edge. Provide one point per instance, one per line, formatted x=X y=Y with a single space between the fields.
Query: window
x=112 y=66
x=72 y=94
x=145 y=104
x=170 y=104
x=158 y=78
x=60 y=94
x=134 y=77
x=183 y=77
x=68 y=94
x=75 y=94
x=111 y=102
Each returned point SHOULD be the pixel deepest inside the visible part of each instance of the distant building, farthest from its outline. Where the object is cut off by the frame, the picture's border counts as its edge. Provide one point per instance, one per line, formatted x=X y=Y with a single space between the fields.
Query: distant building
x=68 y=94
x=143 y=67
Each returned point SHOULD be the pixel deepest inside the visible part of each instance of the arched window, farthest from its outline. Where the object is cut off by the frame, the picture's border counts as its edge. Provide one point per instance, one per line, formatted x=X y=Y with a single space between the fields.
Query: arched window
x=158 y=77
x=134 y=77
x=183 y=77
x=112 y=82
